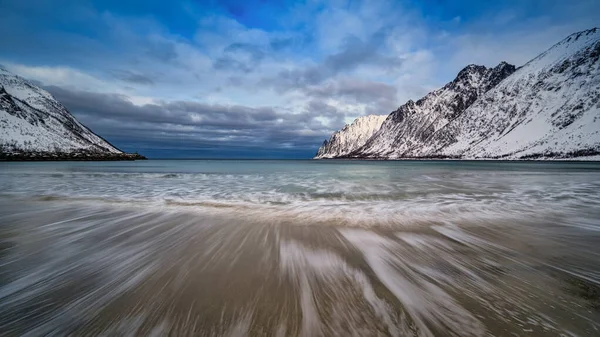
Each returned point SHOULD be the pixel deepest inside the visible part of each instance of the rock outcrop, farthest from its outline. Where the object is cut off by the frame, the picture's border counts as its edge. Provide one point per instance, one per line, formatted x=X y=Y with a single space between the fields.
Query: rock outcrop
x=547 y=109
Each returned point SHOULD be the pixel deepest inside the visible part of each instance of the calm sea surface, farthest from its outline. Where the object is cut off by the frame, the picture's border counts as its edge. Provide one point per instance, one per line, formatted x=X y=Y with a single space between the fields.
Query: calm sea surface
x=299 y=248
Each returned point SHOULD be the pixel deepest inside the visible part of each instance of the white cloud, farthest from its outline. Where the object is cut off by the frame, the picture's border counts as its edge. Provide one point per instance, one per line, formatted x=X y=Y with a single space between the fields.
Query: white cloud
x=59 y=76
x=402 y=48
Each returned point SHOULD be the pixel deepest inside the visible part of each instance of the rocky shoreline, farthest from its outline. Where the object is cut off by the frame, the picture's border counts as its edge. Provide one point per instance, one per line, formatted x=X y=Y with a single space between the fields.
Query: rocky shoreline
x=588 y=154
x=77 y=156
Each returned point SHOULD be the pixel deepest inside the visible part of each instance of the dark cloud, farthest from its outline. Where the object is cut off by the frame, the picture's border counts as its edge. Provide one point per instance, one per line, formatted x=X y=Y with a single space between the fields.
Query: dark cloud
x=255 y=52
x=380 y=98
x=317 y=107
x=297 y=42
x=353 y=54
x=356 y=52
x=132 y=77
x=153 y=46
x=242 y=57
x=321 y=82
x=193 y=125
x=163 y=51
x=183 y=113
x=281 y=44
x=230 y=63
x=354 y=90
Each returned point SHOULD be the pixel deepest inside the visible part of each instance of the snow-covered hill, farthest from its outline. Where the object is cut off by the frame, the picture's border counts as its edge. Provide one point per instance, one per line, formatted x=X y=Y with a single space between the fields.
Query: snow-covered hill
x=351 y=137
x=414 y=123
x=548 y=108
x=34 y=124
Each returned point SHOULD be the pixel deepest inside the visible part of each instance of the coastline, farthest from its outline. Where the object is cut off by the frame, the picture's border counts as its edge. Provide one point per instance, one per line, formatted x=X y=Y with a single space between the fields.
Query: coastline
x=77 y=156
x=583 y=156
x=591 y=159
x=121 y=257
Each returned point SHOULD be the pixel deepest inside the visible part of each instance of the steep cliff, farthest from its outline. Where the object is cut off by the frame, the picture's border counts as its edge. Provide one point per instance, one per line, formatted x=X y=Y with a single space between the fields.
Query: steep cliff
x=351 y=137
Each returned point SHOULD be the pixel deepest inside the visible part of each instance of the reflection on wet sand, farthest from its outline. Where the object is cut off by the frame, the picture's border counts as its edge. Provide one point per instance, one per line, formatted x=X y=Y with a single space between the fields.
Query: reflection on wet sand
x=105 y=269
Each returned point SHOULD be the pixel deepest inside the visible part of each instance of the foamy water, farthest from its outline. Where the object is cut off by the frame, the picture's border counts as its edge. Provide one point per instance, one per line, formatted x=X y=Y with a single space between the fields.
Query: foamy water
x=309 y=248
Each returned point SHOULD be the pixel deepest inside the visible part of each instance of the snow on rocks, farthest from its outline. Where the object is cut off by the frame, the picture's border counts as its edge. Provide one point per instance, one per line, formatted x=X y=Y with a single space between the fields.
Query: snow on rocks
x=547 y=109
x=351 y=137
x=33 y=124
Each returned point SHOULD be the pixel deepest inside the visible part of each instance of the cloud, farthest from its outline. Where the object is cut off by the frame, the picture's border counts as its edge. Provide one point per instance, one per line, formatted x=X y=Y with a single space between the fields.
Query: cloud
x=243 y=57
x=198 y=75
x=192 y=124
x=63 y=76
x=163 y=51
x=354 y=53
x=354 y=90
x=370 y=97
x=130 y=76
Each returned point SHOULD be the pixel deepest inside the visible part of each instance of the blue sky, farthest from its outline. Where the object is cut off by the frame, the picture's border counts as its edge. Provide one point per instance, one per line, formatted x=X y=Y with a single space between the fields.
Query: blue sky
x=257 y=78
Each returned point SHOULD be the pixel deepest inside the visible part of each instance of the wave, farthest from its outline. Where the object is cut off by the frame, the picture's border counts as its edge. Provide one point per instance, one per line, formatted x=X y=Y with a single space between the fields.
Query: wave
x=176 y=269
x=345 y=195
x=365 y=213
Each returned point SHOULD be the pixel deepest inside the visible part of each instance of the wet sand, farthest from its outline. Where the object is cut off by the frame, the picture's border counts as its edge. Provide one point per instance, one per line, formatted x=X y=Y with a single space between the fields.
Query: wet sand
x=93 y=268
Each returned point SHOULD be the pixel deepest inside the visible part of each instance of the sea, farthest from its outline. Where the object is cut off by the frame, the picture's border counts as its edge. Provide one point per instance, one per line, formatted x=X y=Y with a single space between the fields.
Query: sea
x=299 y=248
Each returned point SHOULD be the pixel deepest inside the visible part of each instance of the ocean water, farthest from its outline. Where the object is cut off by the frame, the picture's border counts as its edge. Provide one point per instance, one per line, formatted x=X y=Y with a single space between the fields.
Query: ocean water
x=300 y=248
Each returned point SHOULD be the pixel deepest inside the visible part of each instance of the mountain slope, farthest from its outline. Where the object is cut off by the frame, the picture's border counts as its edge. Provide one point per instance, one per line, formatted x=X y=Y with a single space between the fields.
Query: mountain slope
x=34 y=125
x=548 y=108
x=411 y=125
x=351 y=137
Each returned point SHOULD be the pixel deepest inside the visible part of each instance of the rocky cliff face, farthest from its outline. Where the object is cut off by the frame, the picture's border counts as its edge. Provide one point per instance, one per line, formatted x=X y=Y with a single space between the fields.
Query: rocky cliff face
x=35 y=125
x=411 y=125
x=351 y=137
x=548 y=108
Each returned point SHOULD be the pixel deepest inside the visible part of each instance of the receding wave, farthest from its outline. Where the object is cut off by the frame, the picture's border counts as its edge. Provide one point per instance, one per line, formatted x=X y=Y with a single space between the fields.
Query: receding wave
x=366 y=213
x=207 y=204
x=145 y=270
x=298 y=249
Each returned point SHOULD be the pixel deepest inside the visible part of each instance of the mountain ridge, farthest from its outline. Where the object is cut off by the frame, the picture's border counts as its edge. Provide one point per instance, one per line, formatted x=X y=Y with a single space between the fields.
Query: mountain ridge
x=351 y=136
x=449 y=122
x=35 y=126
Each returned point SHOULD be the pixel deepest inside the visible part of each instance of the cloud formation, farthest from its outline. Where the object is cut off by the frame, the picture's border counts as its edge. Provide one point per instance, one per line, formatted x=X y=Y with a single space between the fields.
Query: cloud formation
x=257 y=79
x=185 y=125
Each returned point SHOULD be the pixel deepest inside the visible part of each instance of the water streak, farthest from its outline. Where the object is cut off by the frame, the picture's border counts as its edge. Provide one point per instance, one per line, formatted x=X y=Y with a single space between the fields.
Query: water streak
x=300 y=249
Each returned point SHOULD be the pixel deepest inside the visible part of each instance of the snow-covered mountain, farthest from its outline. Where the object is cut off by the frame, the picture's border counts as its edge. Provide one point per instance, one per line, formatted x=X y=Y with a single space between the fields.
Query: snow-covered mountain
x=548 y=108
x=351 y=137
x=35 y=125
x=414 y=123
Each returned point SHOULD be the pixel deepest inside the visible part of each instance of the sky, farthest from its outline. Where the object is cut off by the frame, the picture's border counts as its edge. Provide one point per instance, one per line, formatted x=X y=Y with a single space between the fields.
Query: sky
x=257 y=78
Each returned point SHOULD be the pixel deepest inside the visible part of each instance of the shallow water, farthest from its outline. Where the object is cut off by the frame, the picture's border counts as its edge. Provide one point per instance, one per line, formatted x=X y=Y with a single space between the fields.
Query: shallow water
x=309 y=248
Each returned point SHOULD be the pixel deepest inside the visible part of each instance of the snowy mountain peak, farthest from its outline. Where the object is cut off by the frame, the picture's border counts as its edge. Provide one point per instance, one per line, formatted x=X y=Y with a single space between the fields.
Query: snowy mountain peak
x=583 y=41
x=548 y=108
x=414 y=122
x=33 y=124
x=470 y=69
x=586 y=35
x=351 y=137
x=364 y=122
x=374 y=135
x=481 y=77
